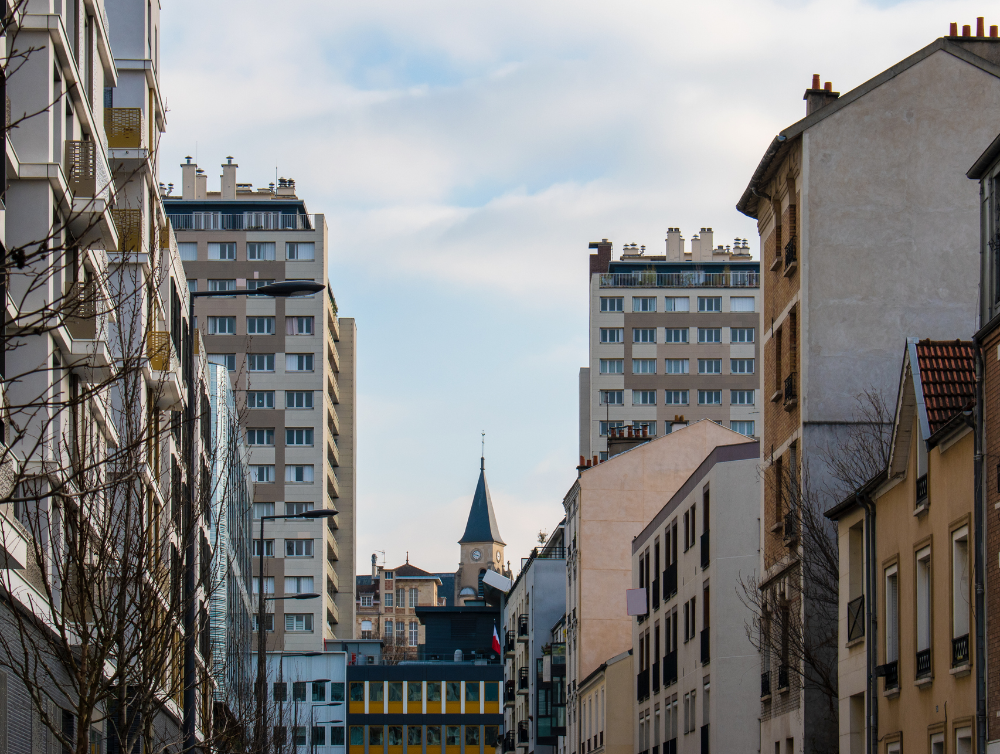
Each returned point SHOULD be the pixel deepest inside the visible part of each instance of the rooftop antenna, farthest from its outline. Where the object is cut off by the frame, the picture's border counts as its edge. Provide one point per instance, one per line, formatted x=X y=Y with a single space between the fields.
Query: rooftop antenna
x=383 y=557
x=482 y=456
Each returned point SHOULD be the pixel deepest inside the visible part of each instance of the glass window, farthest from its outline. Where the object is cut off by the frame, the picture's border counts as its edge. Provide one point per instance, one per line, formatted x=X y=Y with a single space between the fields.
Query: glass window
x=677 y=366
x=612 y=335
x=960 y=586
x=491 y=691
x=298 y=399
x=225 y=252
x=741 y=397
x=414 y=594
x=414 y=633
x=434 y=735
x=262 y=509
x=741 y=366
x=675 y=335
x=260 y=436
x=299 y=325
x=612 y=304
x=612 y=366
x=709 y=366
x=358 y=733
x=268 y=544
x=318 y=735
x=741 y=335
x=280 y=736
x=222 y=325
x=298 y=548
x=710 y=303
x=433 y=691
x=299 y=474
x=472 y=691
x=395 y=734
x=260 y=399
x=376 y=691
x=923 y=601
x=319 y=689
x=414 y=691
x=395 y=691
x=298 y=691
x=298 y=362
x=604 y=426
x=294 y=509
x=357 y=691
x=612 y=397
x=451 y=735
x=192 y=286
x=643 y=304
x=299 y=585
x=254 y=284
x=221 y=286
x=298 y=622
x=648 y=425
x=188 y=250
x=709 y=397
x=260 y=325
x=492 y=735
x=643 y=334
x=262 y=473
x=299 y=436
x=260 y=362
x=676 y=398
x=709 y=334
x=337 y=691
x=376 y=734
x=300 y=252
x=453 y=690
x=743 y=427
x=280 y=692
x=414 y=735
x=741 y=303
x=337 y=736
x=677 y=304
x=643 y=397
x=643 y=366
x=227 y=360
x=268 y=622
x=366 y=601
x=472 y=735
x=260 y=251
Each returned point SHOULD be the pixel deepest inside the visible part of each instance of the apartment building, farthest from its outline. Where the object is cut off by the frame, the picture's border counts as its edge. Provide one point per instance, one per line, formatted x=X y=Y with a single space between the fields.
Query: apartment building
x=534 y=666
x=606 y=507
x=693 y=662
x=830 y=227
x=387 y=604
x=606 y=711
x=307 y=701
x=292 y=366
x=673 y=339
x=906 y=653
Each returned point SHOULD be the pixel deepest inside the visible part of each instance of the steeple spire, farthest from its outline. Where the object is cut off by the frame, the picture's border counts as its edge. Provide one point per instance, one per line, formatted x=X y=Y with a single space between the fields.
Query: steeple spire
x=482 y=524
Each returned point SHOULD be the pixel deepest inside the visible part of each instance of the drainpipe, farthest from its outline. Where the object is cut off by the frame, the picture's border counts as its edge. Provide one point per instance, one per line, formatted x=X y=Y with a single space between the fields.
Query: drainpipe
x=871 y=642
x=980 y=557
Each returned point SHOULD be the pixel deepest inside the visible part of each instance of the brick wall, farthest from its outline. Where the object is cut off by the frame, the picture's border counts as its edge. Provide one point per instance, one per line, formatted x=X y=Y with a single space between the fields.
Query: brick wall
x=779 y=289
x=991 y=418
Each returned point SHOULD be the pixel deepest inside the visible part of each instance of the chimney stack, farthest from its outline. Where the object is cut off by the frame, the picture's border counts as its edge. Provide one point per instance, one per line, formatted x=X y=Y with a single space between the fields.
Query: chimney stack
x=201 y=185
x=980 y=27
x=817 y=98
x=374 y=566
x=189 y=190
x=953 y=30
x=601 y=261
x=229 y=180
x=707 y=236
x=674 y=244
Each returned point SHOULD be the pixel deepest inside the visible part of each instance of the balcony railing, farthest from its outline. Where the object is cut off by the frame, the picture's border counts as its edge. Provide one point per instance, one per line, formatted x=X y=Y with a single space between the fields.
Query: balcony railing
x=705 y=652
x=670 y=668
x=243 y=221
x=704 y=550
x=509 y=641
x=921 y=490
x=856 y=618
x=128 y=223
x=86 y=171
x=522 y=627
x=656 y=594
x=782 y=677
x=790 y=527
x=791 y=255
x=670 y=581
x=765 y=683
x=509 y=692
x=522 y=679
x=522 y=732
x=892 y=675
x=642 y=685
x=790 y=393
x=923 y=663
x=960 y=651
x=693 y=279
x=508 y=741
x=160 y=351
x=123 y=126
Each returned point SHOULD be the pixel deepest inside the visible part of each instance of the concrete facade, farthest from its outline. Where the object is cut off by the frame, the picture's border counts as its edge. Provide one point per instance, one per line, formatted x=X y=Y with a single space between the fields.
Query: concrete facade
x=673 y=339
x=695 y=667
x=606 y=714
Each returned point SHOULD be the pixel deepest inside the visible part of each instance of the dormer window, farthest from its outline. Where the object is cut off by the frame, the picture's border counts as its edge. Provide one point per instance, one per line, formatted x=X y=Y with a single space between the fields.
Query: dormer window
x=388 y=575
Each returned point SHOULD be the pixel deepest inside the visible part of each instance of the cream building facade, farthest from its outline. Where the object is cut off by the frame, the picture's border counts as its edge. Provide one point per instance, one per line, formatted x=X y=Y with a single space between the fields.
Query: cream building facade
x=606 y=713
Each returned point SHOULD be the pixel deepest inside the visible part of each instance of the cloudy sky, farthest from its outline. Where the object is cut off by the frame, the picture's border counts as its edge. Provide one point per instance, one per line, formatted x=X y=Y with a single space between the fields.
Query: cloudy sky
x=464 y=153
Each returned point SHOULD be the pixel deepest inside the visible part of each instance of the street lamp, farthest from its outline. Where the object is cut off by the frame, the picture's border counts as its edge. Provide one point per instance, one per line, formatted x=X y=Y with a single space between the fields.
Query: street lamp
x=282 y=289
x=312 y=722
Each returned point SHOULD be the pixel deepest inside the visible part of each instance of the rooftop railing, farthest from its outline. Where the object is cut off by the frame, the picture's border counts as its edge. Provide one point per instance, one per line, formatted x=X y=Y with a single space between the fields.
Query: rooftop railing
x=243 y=221
x=693 y=279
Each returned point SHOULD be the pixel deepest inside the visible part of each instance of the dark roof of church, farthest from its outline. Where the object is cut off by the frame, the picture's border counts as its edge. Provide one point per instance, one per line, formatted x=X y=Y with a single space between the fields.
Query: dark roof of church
x=482 y=524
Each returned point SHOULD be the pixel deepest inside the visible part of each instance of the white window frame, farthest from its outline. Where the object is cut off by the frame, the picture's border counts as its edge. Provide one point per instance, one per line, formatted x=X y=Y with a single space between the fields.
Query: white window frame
x=683 y=364
x=292 y=396
x=683 y=395
x=710 y=304
x=604 y=363
x=960 y=595
x=604 y=426
x=299 y=584
x=741 y=366
x=255 y=360
x=188 y=251
x=643 y=397
x=702 y=394
x=611 y=397
x=294 y=249
x=606 y=304
x=221 y=285
x=738 y=304
x=260 y=251
x=704 y=332
x=367 y=600
x=676 y=335
x=299 y=436
x=924 y=580
x=643 y=334
x=262 y=473
x=709 y=366
x=268 y=437
x=293 y=621
x=677 y=304
x=262 y=509
x=299 y=548
x=292 y=471
x=252 y=396
x=300 y=362
x=739 y=425
x=612 y=335
x=227 y=360
x=891 y=596
x=742 y=335
x=221 y=251
x=644 y=303
x=738 y=397
x=642 y=363
x=293 y=509
x=253 y=325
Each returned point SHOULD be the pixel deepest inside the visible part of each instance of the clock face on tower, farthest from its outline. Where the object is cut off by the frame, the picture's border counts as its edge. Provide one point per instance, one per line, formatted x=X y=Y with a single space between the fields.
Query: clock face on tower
x=498 y=557
x=476 y=555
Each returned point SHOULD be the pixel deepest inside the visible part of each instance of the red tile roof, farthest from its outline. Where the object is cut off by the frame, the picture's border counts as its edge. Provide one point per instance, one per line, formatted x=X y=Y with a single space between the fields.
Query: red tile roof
x=948 y=378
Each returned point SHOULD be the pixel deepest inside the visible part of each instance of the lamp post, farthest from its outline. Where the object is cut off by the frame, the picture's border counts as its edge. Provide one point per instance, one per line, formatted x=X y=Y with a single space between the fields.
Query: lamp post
x=312 y=722
x=282 y=289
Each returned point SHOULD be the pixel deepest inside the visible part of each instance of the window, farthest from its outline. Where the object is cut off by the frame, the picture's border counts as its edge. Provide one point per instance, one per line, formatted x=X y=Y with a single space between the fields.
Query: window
x=741 y=366
x=318 y=731
x=299 y=325
x=298 y=362
x=709 y=366
x=260 y=399
x=892 y=614
x=643 y=397
x=741 y=335
x=492 y=691
x=612 y=366
x=414 y=692
x=376 y=732
x=294 y=509
x=225 y=252
x=388 y=598
x=400 y=597
x=960 y=586
x=648 y=424
x=710 y=303
x=453 y=691
x=280 y=736
x=227 y=360
x=643 y=334
x=300 y=252
x=298 y=691
x=433 y=695
x=676 y=398
x=709 y=334
x=709 y=397
x=612 y=397
x=188 y=250
x=389 y=576
x=268 y=546
x=741 y=397
x=260 y=436
x=260 y=362
x=366 y=601
x=677 y=304
x=923 y=605
x=298 y=622
x=676 y=366
x=472 y=732
x=192 y=286
x=298 y=548
x=280 y=692
x=254 y=284
x=262 y=473
x=413 y=596
x=395 y=731
x=604 y=426
x=743 y=427
x=337 y=735
x=612 y=335
x=300 y=474
x=413 y=633
x=221 y=286
x=222 y=325
x=357 y=693
x=472 y=691
x=643 y=366
x=433 y=731
x=741 y=304
x=612 y=304
x=451 y=735
x=675 y=335
x=260 y=325
x=376 y=690
x=643 y=304
x=260 y=251
x=268 y=585
x=268 y=622
x=299 y=436
x=298 y=399
x=414 y=733
x=262 y=509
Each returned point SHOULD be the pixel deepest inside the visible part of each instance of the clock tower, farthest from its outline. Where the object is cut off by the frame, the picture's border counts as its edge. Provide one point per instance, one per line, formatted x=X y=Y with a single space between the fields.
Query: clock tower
x=482 y=548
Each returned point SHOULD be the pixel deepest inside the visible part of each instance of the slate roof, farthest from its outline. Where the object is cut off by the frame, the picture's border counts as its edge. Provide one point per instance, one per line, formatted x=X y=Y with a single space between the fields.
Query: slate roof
x=482 y=524
x=948 y=379
x=407 y=571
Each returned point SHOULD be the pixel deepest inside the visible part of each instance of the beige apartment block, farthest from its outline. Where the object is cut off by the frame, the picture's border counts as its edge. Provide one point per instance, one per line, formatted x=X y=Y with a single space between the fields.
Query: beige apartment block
x=832 y=230
x=913 y=550
x=386 y=604
x=673 y=339
x=293 y=367
x=606 y=707
x=607 y=506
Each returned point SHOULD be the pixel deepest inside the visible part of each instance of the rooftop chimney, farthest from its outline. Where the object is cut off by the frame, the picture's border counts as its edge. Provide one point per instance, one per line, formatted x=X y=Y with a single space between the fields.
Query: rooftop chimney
x=817 y=98
x=201 y=185
x=953 y=30
x=707 y=236
x=188 y=188
x=622 y=439
x=229 y=179
x=374 y=566
x=674 y=244
x=980 y=27
x=600 y=261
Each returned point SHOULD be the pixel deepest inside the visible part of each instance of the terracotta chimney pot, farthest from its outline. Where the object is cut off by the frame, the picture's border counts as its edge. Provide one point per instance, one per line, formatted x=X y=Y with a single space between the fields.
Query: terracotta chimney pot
x=815 y=81
x=953 y=30
x=966 y=30
x=993 y=31
x=980 y=27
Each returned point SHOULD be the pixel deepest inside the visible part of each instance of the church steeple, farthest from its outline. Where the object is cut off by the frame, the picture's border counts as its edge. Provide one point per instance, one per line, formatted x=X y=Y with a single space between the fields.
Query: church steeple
x=482 y=524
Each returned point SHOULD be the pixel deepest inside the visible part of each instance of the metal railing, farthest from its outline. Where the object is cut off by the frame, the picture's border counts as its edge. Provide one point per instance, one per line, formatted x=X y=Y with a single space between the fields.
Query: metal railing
x=892 y=675
x=765 y=683
x=509 y=641
x=704 y=739
x=123 y=127
x=706 y=654
x=86 y=171
x=790 y=393
x=923 y=663
x=522 y=679
x=693 y=279
x=522 y=732
x=508 y=741
x=243 y=221
x=960 y=651
x=509 y=692
x=670 y=668
x=704 y=550
x=642 y=685
x=790 y=527
x=656 y=677
x=128 y=223
x=791 y=254
x=921 y=490
x=670 y=581
x=522 y=626
x=159 y=351
x=782 y=677
x=856 y=618
x=670 y=747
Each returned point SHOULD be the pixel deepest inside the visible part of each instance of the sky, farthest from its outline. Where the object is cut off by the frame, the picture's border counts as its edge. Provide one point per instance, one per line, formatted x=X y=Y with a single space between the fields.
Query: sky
x=464 y=153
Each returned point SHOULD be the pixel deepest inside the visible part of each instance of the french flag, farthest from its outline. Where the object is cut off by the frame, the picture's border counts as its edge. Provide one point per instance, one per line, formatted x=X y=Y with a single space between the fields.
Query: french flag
x=496 y=640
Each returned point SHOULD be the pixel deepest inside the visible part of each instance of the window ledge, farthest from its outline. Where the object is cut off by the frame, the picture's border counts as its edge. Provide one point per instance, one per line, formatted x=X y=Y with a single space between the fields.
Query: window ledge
x=776 y=264
x=962 y=670
x=891 y=693
x=778 y=395
x=925 y=681
x=765 y=698
x=784 y=689
x=777 y=526
x=855 y=642
x=921 y=509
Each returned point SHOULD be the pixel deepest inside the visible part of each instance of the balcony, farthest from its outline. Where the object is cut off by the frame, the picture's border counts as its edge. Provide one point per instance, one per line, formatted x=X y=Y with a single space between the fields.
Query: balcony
x=791 y=257
x=670 y=581
x=856 y=618
x=960 y=651
x=670 y=669
x=522 y=732
x=706 y=655
x=333 y=358
x=123 y=126
x=765 y=684
x=509 y=693
x=508 y=643
x=783 y=678
x=656 y=594
x=791 y=395
x=128 y=223
x=790 y=528
x=693 y=279
x=522 y=628
x=642 y=685
x=244 y=221
x=81 y=310
x=522 y=680
x=332 y=582
x=891 y=675
x=165 y=368
x=921 y=492
x=705 y=559
x=332 y=484
x=86 y=170
x=508 y=741
x=332 y=551
x=704 y=739
x=924 y=663
x=656 y=678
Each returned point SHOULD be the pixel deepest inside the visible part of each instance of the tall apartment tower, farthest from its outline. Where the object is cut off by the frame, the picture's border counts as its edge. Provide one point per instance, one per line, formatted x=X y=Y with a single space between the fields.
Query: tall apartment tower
x=673 y=339
x=292 y=365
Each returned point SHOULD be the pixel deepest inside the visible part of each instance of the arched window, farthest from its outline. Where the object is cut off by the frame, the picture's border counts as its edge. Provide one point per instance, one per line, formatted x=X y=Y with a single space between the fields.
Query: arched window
x=482 y=572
